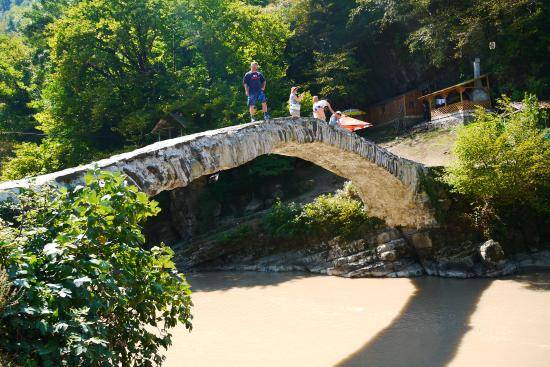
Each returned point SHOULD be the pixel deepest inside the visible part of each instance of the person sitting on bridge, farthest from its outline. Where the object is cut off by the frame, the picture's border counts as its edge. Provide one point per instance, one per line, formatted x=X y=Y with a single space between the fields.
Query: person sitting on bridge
x=294 y=102
x=319 y=108
x=254 y=85
x=335 y=119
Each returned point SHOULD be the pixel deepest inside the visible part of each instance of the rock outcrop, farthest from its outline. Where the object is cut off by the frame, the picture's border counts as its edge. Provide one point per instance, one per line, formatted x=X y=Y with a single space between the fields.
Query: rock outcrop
x=385 y=253
x=491 y=252
x=391 y=186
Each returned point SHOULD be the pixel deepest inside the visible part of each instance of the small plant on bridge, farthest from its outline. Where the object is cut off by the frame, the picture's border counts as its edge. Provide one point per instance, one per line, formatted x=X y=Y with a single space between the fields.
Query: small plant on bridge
x=89 y=294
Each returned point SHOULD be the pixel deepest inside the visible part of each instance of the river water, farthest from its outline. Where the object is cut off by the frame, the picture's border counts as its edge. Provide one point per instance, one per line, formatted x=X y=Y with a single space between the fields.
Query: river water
x=266 y=319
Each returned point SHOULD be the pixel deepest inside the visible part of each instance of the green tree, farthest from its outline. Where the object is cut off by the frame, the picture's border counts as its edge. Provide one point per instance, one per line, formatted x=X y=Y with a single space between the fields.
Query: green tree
x=502 y=159
x=7 y=297
x=229 y=35
x=90 y=295
x=109 y=70
x=338 y=76
x=399 y=45
x=12 y=14
x=34 y=159
x=15 y=86
x=519 y=28
x=115 y=68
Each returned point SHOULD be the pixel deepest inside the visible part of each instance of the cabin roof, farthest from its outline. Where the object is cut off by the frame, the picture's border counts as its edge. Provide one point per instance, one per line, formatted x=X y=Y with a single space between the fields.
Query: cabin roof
x=452 y=88
x=172 y=120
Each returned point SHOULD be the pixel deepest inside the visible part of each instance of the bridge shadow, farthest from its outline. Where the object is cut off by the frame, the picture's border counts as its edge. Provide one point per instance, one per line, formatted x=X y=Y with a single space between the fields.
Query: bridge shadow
x=429 y=329
x=223 y=281
x=535 y=281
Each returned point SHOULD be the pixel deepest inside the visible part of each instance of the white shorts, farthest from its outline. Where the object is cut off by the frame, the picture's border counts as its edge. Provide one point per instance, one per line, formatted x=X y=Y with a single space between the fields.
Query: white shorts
x=294 y=112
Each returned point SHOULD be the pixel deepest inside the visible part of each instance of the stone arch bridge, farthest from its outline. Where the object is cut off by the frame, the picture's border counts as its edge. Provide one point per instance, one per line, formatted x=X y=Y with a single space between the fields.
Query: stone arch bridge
x=390 y=186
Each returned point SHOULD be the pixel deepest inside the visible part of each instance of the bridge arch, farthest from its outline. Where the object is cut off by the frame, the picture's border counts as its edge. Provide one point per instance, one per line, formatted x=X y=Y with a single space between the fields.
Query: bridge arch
x=390 y=186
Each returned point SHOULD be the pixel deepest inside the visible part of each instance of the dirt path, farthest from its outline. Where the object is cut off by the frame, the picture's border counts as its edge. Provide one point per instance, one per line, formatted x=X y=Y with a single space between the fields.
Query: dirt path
x=433 y=148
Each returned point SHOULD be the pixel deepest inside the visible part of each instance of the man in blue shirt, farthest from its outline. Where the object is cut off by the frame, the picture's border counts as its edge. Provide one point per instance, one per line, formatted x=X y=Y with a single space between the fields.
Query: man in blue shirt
x=254 y=85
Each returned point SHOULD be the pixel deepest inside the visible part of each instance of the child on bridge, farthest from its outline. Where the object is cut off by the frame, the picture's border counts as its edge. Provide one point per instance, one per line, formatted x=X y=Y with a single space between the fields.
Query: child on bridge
x=335 y=119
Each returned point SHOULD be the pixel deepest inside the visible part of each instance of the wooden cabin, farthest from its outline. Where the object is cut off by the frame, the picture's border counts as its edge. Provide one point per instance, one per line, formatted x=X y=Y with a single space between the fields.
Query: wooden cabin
x=460 y=101
x=404 y=109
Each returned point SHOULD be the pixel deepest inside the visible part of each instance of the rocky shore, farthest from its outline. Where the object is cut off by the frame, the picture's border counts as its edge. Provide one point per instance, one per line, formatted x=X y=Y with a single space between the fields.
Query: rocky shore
x=385 y=253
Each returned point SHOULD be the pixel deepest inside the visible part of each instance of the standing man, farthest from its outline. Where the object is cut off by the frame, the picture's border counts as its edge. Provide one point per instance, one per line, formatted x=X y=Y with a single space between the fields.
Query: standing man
x=319 y=108
x=254 y=86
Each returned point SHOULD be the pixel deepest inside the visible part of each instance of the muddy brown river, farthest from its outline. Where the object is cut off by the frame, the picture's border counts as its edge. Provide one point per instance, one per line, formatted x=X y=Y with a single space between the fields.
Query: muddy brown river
x=266 y=319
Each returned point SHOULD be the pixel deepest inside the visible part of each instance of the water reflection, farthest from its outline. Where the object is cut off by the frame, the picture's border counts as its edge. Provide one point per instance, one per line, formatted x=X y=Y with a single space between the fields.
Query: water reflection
x=539 y=281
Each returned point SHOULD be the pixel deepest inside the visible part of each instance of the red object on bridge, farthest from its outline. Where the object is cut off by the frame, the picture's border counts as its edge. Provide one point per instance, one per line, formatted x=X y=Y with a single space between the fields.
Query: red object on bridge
x=351 y=124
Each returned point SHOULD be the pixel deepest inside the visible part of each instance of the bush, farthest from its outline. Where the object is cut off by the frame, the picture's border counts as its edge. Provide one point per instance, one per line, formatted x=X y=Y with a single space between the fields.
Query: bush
x=330 y=216
x=349 y=191
x=282 y=220
x=236 y=236
x=89 y=294
x=502 y=161
x=326 y=217
x=306 y=106
x=32 y=159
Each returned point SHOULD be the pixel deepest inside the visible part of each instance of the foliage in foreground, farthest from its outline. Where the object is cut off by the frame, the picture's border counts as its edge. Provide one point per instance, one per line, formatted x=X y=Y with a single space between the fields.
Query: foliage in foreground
x=502 y=160
x=89 y=295
x=327 y=216
x=6 y=298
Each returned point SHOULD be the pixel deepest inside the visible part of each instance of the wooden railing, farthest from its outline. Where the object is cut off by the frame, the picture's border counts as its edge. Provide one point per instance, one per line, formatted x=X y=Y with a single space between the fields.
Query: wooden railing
x=459 y=106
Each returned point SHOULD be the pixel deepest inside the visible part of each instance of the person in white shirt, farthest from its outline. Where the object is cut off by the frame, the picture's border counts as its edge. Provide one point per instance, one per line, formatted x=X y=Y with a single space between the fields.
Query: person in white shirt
x=294 y=102
x=319 y=108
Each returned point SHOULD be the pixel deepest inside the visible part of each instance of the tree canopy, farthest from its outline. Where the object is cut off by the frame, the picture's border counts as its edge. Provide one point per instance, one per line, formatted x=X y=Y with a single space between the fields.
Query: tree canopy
x=90 y=78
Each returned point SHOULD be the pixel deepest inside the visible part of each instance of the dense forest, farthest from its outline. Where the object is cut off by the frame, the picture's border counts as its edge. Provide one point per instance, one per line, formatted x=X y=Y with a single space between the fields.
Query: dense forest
x=81 y=79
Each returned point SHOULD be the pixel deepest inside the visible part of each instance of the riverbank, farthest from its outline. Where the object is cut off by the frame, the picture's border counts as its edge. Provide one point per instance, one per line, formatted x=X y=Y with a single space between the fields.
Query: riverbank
x=230 y=222
x=386 y=253
x=294 y=319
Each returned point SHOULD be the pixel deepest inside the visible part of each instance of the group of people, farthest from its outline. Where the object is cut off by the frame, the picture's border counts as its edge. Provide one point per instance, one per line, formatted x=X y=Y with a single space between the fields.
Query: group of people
x=294 y=103
x=254 y=85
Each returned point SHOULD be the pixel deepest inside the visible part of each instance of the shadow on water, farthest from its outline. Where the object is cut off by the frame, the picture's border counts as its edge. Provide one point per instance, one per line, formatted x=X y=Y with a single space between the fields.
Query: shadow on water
x=429 y=328
x=538 y=281
x=223 y=281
